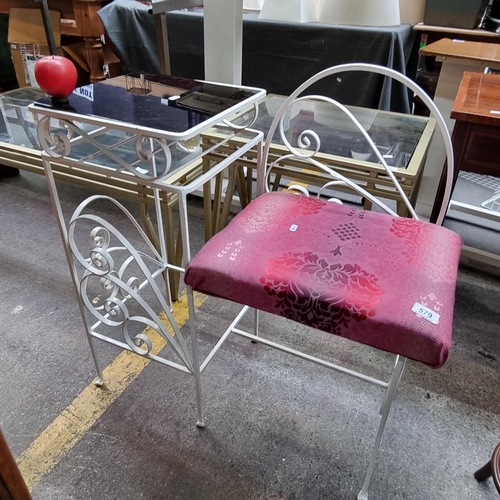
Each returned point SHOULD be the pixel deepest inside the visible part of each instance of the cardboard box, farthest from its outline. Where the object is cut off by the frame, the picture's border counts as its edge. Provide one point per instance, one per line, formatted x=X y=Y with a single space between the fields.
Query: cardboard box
x=28 y=43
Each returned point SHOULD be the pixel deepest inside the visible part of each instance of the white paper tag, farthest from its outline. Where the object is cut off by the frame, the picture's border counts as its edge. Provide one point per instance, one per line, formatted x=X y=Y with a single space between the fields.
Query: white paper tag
x=426 y=313
x=87 y=91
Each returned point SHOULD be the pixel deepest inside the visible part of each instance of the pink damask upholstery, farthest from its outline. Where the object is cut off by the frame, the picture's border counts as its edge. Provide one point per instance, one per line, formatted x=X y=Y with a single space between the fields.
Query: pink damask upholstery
x=348 y=272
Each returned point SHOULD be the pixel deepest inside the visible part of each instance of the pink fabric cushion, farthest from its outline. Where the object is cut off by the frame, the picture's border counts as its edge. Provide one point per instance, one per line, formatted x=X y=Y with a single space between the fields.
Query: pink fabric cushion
x=348 y=272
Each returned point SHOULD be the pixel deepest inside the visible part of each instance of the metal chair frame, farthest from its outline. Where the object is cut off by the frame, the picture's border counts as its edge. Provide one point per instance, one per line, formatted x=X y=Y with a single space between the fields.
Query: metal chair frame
x=308 y=145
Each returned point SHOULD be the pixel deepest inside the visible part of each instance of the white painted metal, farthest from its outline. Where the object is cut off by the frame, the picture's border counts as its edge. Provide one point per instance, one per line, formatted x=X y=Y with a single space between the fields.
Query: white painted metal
x=466 y=208
x=152 y=133
x=308 y=145
x=307 y=135
x=384 y=412
x=111 y=257
x=307 y=357
x=151 y=146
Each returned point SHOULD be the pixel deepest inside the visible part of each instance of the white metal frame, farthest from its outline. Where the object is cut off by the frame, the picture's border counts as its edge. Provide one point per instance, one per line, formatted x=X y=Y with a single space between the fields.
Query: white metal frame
x=308 y=145
x=58 y=133
x=149 y=145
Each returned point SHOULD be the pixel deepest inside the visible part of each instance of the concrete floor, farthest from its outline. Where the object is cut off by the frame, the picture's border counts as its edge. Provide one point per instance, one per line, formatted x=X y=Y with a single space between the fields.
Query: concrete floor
x=277 y=427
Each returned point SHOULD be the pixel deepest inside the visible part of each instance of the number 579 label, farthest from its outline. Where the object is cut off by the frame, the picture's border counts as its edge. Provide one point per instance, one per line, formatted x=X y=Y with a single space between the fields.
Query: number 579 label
x=426 y=313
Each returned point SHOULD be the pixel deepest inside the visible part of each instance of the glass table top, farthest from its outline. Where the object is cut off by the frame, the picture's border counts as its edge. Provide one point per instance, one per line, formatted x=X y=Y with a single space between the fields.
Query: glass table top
x=396 y=135
x=17 y=124
x=18 y=127
x=157 y=102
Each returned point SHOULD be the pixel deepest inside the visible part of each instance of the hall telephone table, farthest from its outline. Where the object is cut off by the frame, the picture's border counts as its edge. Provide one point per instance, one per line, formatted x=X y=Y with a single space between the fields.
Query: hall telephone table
x=19 y=149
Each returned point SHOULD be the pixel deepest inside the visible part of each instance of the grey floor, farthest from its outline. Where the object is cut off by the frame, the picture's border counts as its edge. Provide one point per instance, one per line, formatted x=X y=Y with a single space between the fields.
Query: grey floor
x=277 y=427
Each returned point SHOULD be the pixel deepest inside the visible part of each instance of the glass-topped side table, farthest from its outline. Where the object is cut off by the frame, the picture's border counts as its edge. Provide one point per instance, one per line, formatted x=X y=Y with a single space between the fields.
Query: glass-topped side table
x=17 y=124
x=147 y=128
x=402 y=139
x=19 y=147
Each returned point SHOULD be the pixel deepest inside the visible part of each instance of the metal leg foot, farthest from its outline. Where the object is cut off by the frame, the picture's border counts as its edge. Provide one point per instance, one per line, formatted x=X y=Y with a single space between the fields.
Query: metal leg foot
x=491 y=469
x=363 y=495
x=484 y=472
x=196 y=359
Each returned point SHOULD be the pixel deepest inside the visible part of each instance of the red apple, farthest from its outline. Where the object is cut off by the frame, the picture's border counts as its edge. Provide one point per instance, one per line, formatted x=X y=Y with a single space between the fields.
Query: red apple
x=56 y=75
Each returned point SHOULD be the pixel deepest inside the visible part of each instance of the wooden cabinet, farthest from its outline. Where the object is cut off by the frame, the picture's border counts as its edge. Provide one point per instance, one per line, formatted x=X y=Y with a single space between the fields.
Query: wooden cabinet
x=78 y=17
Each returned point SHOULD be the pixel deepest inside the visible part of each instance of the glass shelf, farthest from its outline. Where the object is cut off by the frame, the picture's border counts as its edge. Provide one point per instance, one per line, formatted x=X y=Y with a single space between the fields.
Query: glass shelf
x=396 y=135
x=17 y=123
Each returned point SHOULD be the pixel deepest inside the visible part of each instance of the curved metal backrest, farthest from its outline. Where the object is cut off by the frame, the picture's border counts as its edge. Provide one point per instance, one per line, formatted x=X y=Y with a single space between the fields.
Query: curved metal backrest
x=309 y=138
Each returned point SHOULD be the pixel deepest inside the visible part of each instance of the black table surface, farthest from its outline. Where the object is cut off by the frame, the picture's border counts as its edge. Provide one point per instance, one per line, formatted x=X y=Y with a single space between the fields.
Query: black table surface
x=180 y=106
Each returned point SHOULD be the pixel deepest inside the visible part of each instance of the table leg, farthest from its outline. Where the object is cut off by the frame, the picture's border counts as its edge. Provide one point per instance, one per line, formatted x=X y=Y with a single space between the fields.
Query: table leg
x=174 y=251
x=92 y=29
x=207 y=202
x=241 y=185
x=162 y=37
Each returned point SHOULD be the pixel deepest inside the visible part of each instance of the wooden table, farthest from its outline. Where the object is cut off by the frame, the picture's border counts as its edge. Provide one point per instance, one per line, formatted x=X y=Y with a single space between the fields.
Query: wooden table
x=12 y=485
x=472 y=51
x=476 y=135
x=79 y=18
x=457 y=57
x=435 y=33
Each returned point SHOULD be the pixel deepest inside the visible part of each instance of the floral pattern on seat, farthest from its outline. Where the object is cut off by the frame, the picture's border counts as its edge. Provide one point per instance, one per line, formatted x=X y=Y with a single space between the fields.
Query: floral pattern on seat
x=319 y=293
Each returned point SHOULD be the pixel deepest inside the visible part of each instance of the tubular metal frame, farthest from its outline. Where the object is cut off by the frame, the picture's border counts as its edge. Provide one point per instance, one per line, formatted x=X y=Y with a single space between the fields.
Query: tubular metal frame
x=121 y=289
x=308 y=144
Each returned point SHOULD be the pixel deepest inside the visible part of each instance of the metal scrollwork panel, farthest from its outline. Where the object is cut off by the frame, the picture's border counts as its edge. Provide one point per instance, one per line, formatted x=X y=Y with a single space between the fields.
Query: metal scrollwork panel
x=303 y=145
x=121 y=283
x=147 y=157
x=245 y=120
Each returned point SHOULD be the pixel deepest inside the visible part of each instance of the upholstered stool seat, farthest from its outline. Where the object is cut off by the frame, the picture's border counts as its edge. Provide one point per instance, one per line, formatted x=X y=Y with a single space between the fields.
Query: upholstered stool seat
x=357 y=274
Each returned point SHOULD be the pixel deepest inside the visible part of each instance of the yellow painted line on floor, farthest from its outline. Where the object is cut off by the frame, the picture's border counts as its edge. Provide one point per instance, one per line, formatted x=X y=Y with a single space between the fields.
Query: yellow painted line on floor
x=69 y=427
